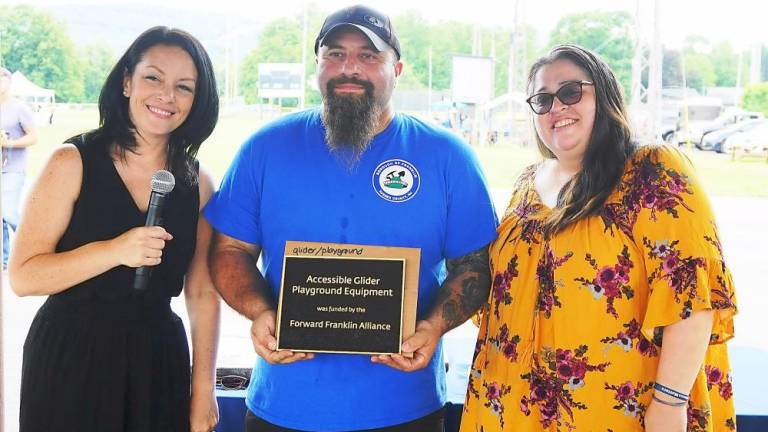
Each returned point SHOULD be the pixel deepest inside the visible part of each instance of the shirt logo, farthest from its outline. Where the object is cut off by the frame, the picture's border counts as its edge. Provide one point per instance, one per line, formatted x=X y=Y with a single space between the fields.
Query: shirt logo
x=396 y=180
x=373 y=20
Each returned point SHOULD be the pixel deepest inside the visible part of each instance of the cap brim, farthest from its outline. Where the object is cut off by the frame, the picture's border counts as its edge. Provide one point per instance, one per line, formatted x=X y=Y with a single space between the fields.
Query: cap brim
x=377 y=42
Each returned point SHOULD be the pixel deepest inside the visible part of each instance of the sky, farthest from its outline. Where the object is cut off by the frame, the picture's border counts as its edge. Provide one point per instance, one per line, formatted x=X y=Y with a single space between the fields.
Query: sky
x=740 y=21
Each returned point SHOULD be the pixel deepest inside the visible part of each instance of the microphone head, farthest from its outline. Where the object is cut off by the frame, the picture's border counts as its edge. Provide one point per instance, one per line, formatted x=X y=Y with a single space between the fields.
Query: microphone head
x=163 y=182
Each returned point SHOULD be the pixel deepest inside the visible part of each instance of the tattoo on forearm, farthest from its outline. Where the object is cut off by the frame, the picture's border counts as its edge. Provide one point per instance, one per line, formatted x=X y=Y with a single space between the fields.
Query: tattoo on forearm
x=466 y=288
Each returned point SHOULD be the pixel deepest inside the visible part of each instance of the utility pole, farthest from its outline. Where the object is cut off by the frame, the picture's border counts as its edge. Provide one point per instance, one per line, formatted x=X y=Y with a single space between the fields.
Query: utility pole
x=755 y=66
x=2 y=288
x=429 y=85
x=303 y=59
x=235 y=69
x=477 y=41
x=517 y=68
x=645 y=99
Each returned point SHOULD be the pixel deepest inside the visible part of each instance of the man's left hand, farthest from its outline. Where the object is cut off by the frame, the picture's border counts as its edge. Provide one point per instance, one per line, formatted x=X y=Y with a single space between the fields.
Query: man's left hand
x=421 y=345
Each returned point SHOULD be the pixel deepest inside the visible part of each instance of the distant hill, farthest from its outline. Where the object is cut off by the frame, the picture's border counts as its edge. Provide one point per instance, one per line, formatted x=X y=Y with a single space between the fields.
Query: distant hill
x=117 y=25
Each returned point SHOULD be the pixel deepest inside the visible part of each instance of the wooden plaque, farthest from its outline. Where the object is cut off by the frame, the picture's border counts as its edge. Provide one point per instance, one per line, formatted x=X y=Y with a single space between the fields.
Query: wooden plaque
x=346 y=298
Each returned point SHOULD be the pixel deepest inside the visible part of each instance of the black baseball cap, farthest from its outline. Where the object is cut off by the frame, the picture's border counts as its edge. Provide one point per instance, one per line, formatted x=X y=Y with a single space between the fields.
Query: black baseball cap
x=374 y=24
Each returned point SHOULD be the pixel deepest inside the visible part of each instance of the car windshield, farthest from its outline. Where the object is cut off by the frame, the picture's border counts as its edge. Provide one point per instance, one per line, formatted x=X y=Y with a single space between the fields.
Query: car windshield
x=744 y=126
x=761 y=131
x=703 y=112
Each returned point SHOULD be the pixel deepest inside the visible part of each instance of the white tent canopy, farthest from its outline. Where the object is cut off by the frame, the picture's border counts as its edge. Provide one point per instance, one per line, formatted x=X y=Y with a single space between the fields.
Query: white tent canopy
x=25 y=89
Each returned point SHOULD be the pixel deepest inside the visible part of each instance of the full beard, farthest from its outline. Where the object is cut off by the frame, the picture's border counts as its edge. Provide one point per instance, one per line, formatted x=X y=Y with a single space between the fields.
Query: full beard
x=350 y=121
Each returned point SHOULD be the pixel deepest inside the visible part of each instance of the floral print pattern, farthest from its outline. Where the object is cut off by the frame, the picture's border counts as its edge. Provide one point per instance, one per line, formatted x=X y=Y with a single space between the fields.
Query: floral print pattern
x=505 y=344
x=552 y=380
x=631 y=337
x=698 y=419
x=679 y=272
x=545 y=274
x=611 y=281
x=724 y=296
x=648 y=185
x=500 y=288
x=716 y=378
x=493 y=393
x=627 y=398
x=529 y=228
x=571 y=336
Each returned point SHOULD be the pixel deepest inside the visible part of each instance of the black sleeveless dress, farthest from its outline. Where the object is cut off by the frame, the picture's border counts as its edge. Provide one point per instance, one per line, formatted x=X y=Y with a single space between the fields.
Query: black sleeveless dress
x=101 y=356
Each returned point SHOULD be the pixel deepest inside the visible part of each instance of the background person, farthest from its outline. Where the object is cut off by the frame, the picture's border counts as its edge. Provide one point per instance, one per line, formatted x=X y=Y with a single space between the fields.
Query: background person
x=17 y=132
x=611 y=303
x=312 y=176
x=100 y=355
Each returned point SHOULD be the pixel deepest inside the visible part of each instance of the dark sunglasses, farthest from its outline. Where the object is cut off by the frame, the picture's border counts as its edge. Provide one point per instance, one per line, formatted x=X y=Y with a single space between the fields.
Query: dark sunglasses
x=569 y=94
x=231 y=382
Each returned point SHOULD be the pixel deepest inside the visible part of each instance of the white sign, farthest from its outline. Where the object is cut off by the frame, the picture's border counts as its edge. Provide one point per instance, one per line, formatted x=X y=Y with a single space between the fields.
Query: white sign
x=472 y=79
x=280 y=80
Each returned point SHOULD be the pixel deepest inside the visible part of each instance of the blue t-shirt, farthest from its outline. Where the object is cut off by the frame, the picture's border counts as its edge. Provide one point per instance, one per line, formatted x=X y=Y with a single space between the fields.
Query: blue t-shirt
x=414 y=186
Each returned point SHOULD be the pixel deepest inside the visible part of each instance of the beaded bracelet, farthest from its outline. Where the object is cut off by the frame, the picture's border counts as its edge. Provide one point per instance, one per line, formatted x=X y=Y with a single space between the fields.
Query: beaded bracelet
x=674 y=404
x=670 y=392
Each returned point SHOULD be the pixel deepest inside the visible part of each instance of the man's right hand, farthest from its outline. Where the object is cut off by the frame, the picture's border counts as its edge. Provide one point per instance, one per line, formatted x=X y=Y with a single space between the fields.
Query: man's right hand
x=265 y=344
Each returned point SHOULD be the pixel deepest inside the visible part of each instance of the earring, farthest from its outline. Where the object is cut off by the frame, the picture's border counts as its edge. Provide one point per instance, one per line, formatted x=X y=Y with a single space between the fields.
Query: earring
x=125 y=93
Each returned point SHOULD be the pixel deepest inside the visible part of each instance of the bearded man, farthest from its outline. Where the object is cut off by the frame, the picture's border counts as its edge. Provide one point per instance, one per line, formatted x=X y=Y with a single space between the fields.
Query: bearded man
x=354 y=172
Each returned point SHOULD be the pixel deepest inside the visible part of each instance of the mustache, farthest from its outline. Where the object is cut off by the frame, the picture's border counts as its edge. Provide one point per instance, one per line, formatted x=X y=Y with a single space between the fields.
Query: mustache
x=334 y=82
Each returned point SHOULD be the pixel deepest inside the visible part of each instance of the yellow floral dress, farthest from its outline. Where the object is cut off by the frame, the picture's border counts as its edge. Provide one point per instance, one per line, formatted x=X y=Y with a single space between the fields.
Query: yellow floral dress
x=571 y=335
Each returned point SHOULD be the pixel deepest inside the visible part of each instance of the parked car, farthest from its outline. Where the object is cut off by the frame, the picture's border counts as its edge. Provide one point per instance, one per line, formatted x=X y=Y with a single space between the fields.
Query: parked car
x=754 y=141
x=729 y=116
x=695 y=117
x=714 y=140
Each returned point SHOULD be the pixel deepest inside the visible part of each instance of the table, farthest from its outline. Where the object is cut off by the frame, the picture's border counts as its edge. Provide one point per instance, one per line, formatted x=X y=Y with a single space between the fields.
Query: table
x=749 y=382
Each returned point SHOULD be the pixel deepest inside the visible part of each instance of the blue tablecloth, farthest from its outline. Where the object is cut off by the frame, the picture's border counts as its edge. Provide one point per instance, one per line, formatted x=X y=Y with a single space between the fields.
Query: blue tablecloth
x=749 y=383
x=231 y=410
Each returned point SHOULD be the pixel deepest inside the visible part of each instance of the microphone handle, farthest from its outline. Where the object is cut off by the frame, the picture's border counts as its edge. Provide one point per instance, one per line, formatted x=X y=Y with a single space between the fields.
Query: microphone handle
x=154 y=218
x=141 y=280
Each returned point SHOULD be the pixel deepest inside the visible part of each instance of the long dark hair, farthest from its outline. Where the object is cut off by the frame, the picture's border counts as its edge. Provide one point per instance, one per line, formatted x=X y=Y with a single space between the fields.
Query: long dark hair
x=115 y=126
x=609 y=147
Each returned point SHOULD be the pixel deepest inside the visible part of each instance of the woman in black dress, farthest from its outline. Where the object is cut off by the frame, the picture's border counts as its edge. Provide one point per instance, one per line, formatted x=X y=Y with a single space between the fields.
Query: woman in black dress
x=101 y=355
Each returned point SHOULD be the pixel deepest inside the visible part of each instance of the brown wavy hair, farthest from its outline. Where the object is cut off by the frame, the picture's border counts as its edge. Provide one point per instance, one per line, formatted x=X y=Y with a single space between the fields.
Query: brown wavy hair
x=608 y=149
x=115 y=125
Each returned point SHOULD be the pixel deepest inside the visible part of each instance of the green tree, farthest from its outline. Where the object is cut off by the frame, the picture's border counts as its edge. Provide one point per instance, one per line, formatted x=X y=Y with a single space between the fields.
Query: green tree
x=756 y=98
x=418 y=36
x=746 y=60
x=415 y=40
x=408 y=79
x=671 y=74
x=725 y=64
x=699 y=72
x=610 y=34
x=446 y=39
x=38 y=46
x=97 y=61
x=764 y=64
x=279 y=42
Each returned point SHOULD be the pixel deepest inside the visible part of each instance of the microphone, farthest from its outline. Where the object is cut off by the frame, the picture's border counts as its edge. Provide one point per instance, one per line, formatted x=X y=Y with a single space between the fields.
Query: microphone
x=162 y=185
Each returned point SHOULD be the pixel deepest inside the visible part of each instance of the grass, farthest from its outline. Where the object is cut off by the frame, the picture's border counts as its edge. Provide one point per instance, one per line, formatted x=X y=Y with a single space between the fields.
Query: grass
x=719 y=174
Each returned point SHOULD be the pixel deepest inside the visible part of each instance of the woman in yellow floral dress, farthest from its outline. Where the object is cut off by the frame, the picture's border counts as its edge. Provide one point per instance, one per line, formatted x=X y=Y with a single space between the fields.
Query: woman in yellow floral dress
x=611 y=303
